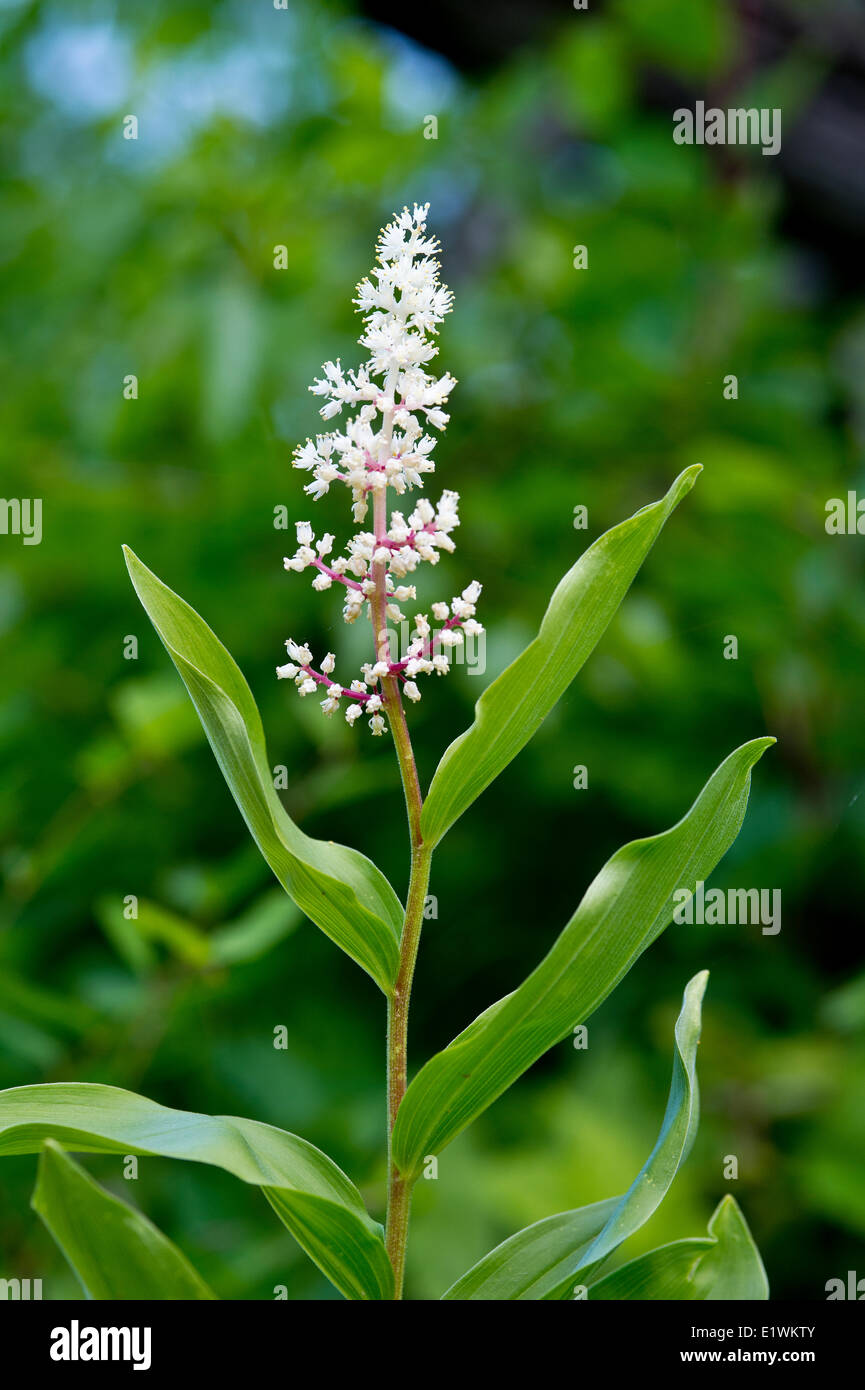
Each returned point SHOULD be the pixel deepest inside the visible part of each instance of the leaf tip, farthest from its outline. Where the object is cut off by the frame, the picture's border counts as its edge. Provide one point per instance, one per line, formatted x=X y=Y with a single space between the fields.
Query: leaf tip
x=684 y=483
x=758 y=746
x=132 y=561
x=50 y=1153
x=48 y=1168
x=692 y=1000
x=697 y=984
x=727 y=1212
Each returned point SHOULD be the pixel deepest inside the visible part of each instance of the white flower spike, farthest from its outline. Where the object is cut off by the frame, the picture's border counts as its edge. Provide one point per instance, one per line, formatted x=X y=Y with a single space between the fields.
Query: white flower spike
x=385 y=445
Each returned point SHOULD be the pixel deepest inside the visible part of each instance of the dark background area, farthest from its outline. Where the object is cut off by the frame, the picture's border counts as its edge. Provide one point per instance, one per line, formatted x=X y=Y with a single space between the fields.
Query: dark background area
x=304 y=128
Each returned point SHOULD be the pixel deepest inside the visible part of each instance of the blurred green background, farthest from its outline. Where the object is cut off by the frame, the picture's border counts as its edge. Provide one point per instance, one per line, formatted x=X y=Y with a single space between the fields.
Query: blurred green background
x=304 y=127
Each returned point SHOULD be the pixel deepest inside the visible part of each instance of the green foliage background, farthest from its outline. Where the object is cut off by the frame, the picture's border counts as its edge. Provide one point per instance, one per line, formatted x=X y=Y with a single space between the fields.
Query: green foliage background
x=155 y=257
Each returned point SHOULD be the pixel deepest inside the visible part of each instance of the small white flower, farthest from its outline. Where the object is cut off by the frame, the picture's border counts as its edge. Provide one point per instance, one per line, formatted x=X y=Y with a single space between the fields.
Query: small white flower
x=353 y=712
x=328 y=664
x=307 y=687
x=377 y=725
x=441 y=612
x=299 y=653
x=353 y=604
x=286 y=672
x=423 y=513
x=411 y=691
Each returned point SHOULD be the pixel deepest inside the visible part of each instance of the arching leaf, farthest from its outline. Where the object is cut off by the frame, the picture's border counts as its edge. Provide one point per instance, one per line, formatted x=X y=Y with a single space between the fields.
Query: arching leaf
x=317 y=1202
x=339 y=889
x=510 y=710
x=113 y=1249
x=545 y=1260
x=626 y=907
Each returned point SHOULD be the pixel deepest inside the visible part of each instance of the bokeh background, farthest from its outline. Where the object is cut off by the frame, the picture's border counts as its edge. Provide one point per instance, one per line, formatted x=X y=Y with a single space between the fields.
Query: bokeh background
x=304 y=127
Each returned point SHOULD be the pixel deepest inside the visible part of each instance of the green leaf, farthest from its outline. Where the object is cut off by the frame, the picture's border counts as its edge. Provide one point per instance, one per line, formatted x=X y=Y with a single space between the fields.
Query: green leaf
x=535 y=1262
x=624 y=909
x=130 y=944
x=317 y=1202
x=267 y=922
x=114 y=1250
x=511 y=709
x=545 y=1260
x=725 y=1265
x=134 y=937
x=338 y=888
x=678 y=1132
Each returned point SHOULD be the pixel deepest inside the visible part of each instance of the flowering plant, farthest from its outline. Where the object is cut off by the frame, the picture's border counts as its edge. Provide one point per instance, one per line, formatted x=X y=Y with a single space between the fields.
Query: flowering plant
x=385 y=447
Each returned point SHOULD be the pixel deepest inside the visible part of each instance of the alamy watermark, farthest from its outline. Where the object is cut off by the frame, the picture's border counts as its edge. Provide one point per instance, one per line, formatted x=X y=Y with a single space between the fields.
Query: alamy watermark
x=20 y=1290
x=845 y=516
x=735 y=126
x=468 y=650
x=21 y=516
x=77 y=1343
x=850 y=1288
x=737 y=907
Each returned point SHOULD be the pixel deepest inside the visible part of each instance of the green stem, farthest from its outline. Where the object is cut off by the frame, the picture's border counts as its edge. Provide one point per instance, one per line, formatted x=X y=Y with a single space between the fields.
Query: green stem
x=398 y=1190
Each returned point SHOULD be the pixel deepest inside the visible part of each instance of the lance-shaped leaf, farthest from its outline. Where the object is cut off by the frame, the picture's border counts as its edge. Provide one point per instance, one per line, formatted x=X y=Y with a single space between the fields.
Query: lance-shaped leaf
x=511 y=709
x=113 y=1249
x=725 y=1265
x=317 y=1202
x=338 y=888
x=546 y=1259
x=537 y=1261
x=625 y=908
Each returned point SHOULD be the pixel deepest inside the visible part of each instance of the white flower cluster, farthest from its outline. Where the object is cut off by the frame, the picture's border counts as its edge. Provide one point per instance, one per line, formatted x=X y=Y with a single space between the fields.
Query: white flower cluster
x=385 y=444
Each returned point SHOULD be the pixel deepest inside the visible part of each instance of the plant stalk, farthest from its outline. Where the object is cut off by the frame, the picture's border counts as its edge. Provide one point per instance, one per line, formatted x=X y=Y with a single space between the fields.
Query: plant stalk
x=398 y=1189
